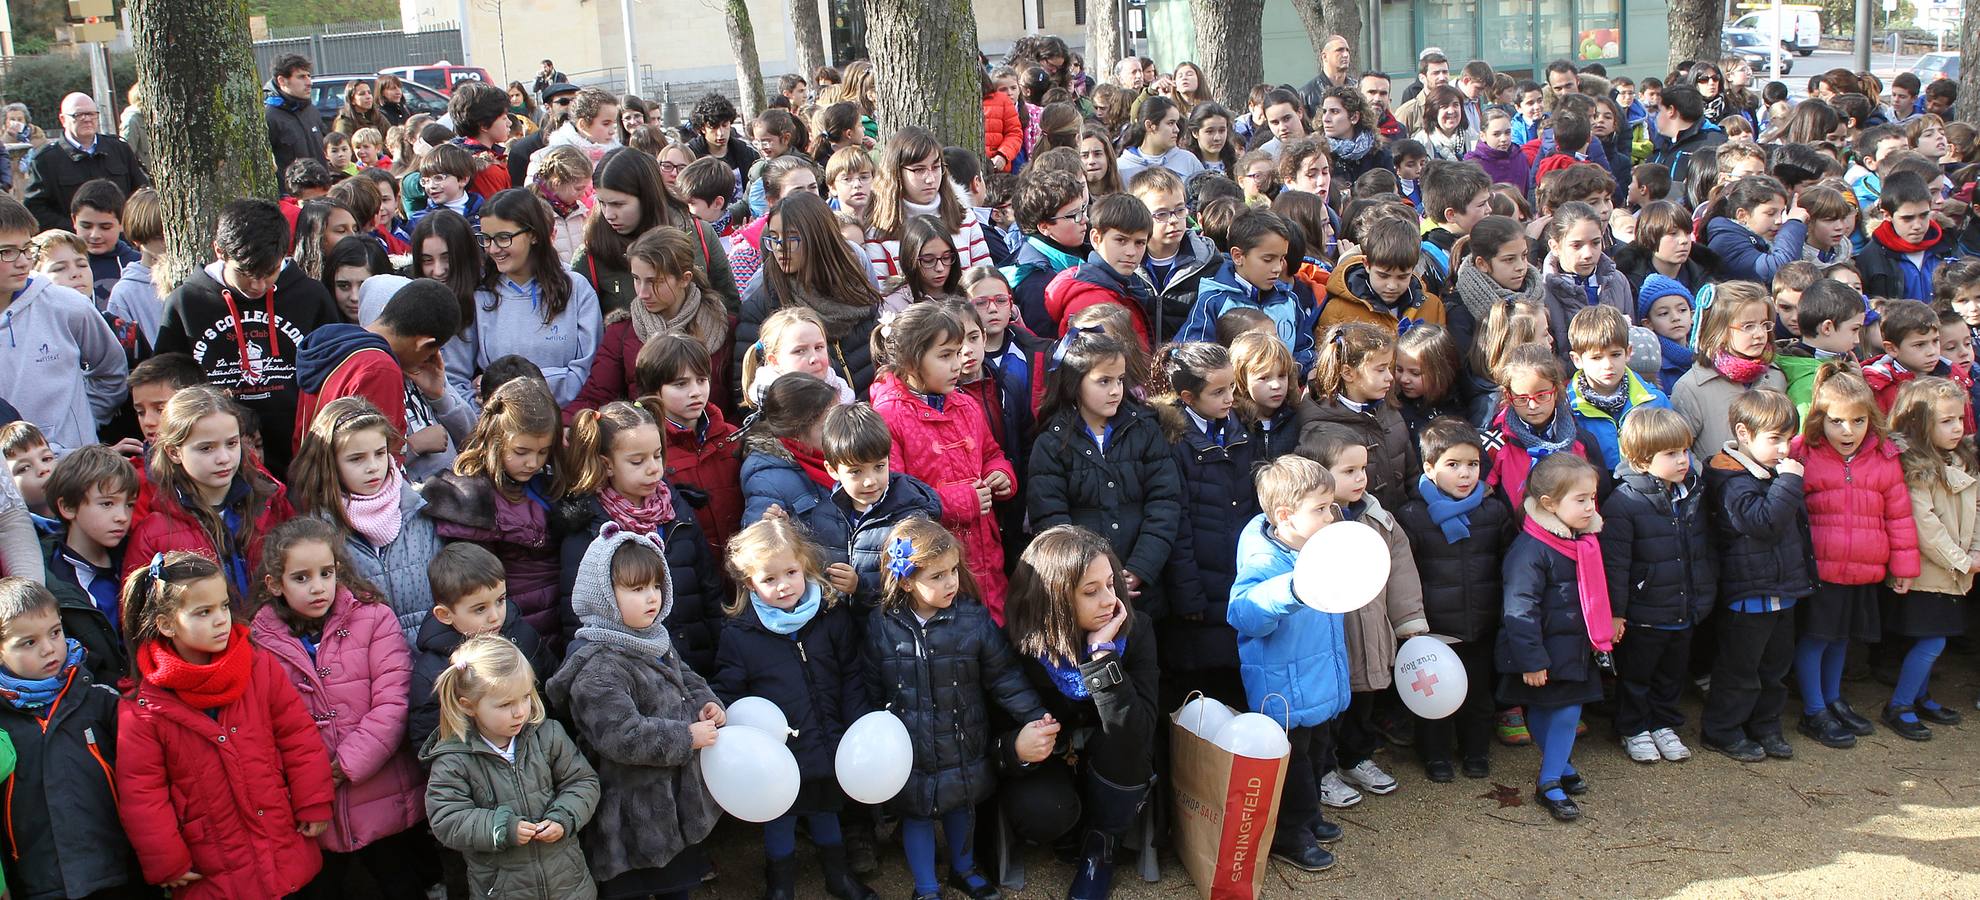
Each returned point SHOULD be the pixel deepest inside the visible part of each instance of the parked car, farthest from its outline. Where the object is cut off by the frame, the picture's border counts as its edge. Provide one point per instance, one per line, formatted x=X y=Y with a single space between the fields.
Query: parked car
x=1799 y=28
x=441 y=76
x=1934 y=66
x=330 y=96
x=1756 y=50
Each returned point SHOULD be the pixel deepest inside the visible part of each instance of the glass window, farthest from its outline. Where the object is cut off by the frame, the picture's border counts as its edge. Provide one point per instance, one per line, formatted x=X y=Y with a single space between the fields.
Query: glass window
x=1554 y=29
x=430 y=77
x=1598 y=34
x=1506 y=28
x=1451 y=25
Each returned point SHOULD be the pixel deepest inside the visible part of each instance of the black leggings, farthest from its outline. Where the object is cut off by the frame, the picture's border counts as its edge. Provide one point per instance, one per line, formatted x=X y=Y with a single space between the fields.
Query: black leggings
x=397 y=867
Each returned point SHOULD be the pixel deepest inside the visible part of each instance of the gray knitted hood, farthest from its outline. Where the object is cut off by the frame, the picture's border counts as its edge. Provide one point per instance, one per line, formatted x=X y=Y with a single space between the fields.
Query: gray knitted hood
x=592 y=599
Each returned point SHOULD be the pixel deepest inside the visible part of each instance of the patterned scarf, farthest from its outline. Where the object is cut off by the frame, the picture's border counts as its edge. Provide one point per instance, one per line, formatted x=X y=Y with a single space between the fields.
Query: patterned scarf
x=377 y=517
x=1354 y=148
x=1738 y=368
x=1612 y=404
x=560 y=207
x=33 y=694
x=640 y=518
x=210 y=686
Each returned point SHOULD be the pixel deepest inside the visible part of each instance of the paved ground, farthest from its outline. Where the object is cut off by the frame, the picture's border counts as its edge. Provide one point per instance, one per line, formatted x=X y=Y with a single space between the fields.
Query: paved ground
x=1888 y=818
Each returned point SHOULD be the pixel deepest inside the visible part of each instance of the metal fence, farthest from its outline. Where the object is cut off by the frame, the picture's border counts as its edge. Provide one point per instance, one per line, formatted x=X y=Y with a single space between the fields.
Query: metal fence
x=363 y=52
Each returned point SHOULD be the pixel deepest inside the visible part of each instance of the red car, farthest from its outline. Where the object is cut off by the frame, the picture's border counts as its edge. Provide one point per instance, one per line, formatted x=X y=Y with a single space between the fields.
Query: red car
x=441 y=76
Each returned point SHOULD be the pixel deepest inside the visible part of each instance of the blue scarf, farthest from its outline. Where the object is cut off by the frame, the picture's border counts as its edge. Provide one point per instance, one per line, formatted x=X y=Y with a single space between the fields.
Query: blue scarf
x=1066 y=677
x=789 y=621
x=1451 y=514
x=31 y=695
x=1677 y=357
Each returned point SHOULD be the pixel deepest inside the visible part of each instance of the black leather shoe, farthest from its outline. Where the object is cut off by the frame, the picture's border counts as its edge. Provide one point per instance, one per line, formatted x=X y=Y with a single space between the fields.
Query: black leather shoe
x=1324 y=831
x=962 y=881
x=1563 y=810
x=1826 y=731
x=1936 y=715
x=1851 y=721
x=1439 y=771
x=1574 y=784
x=1913 y=730
x=1775 y=746
x=1477 y=767
x=1743 y=750
x=1305 y=857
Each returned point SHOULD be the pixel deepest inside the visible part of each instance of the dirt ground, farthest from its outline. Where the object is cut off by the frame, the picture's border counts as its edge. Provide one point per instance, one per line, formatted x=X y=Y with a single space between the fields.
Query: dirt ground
x=1888 y=818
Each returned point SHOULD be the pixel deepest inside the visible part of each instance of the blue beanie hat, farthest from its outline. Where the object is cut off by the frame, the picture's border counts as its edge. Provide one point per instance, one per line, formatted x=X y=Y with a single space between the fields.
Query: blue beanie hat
x=1657 y=287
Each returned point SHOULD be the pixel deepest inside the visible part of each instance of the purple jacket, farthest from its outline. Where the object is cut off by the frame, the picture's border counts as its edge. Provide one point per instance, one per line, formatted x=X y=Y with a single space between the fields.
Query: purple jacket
x=356 y=688
x=1509 y=166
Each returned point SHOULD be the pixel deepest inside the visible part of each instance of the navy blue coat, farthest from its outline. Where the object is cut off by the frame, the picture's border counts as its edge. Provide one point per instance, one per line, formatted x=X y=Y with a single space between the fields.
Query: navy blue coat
x=1542 y=626
x=1463 y=588
x=433 y=651
x=1282 y=438
x=695 y=621
x=907 y=497
x=813 y=674
x=1129 y=494
x=1761 y=528
x=1658 y=552
x=1218 y=499
x=935 y=677
x=770 y=476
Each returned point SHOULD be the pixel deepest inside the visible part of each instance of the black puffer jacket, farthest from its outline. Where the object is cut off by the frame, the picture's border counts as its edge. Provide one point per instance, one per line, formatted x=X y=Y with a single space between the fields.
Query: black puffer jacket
x=1760 y=524
x=1542 y=626
x=295 y=128
x=1462 y=591
x=1196 y=258
x=433 y=651
x=814 y=675
x=1218 y=499
x=1130 y=493
x=1658 y=552
x=1282 y=438
x=695 y=622
x=1128 y=712
x=1392 y=464
x=906 y=498
x=852 y=355
x=935 y=676
x=61 y=830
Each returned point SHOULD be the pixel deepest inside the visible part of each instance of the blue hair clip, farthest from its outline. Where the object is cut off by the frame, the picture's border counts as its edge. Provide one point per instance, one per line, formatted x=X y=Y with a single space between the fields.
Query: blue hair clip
x=900 y=558
x=1065 y=344
x=157 y=566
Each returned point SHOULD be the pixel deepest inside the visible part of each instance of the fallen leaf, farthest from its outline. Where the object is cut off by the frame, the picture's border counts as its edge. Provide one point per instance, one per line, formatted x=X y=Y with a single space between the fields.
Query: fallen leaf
x=1507 y=796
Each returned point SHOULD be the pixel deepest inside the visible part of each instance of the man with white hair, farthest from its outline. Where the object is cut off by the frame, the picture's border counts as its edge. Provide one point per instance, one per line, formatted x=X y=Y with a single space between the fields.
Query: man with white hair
x=58 y=168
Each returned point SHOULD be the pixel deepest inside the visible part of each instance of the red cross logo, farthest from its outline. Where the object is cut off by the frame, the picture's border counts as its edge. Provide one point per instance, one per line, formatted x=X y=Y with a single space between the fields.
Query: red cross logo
x=1425 y=683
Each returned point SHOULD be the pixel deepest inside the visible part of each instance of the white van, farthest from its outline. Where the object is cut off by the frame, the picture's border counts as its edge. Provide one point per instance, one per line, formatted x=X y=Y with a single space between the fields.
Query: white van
x=1799 y=28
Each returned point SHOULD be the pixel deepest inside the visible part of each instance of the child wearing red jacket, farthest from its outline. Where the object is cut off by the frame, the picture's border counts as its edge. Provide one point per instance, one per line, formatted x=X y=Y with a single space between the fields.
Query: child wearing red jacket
x=1859 y=515
x=209 y=710
x=1120 y=229
x=942 y=437
x=1910 y=333
x=212 y=496
x=704 y=456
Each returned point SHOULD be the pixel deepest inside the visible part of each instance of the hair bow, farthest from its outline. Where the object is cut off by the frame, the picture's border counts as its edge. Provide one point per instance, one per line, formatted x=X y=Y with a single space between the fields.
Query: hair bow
x=887 y=325
x=900 y=558
x=1700 y=303
x=157 y=566
x=1065 y=344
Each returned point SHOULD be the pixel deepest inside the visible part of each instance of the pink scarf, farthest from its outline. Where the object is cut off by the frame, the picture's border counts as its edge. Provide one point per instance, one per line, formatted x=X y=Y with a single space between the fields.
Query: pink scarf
x=376 y=517
x=1589 y=580
x=1738 y=368
x=644 y=518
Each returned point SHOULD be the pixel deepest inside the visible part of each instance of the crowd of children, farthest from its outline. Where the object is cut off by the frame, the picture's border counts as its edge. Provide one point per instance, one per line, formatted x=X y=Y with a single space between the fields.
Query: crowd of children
x=319 y=560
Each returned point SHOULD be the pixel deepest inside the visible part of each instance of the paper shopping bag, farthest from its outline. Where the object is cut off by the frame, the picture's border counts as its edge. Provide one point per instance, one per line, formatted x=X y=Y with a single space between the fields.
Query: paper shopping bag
x=1225 y=809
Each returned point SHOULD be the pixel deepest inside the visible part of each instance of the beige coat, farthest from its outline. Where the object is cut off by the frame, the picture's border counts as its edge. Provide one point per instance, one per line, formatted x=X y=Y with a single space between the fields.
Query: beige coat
x=1398 y=610
x=1947 y=513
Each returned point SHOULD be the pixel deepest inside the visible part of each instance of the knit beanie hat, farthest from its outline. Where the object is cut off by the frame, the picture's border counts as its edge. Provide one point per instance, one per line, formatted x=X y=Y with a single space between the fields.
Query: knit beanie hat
x=1657 y=287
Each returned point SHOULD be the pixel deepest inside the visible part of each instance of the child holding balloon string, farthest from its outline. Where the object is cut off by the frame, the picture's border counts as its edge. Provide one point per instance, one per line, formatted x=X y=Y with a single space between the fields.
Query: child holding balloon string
x=790 y=639
x=1374 y=629
x=641 y=713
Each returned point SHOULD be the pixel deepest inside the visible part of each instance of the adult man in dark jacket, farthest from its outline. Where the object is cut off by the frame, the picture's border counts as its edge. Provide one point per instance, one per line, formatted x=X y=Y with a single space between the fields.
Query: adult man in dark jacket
x=1681 y=123
x=546 y=79
x=556 y=111
x=1335 y=57
x=58 y=168
x=295 y=127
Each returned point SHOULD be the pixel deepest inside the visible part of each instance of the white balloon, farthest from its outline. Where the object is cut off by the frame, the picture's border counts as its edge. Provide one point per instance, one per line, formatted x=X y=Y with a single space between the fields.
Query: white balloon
x=1204 y=717
x=1254 y=735
x=875 y=757
x=750 y=775
x=1341 y=568
x=760 y=714
x=1430 y=677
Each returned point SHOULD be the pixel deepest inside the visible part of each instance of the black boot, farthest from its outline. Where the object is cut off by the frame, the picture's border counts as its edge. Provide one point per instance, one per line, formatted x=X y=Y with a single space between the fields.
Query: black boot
x=780 y=879
x=1110 y=812
x=839 y=880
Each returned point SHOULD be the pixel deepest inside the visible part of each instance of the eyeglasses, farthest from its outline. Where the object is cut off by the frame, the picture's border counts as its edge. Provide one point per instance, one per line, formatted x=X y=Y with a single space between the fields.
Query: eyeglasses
x=1751 y=328
x=986 y=300
x=81 y=116
x=16 y=254
x=1077 y=215
x=561 y=101
x=1165 y=216
x=1535 y=400
x=1707 y=79
x=500 y=240
x=1256 y=176
x=667 y=168
x=774 y=242
x=924 y=171
x=935 y=260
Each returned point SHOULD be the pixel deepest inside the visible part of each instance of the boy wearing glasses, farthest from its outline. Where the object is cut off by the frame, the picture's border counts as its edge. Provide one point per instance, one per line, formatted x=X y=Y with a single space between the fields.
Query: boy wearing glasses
x=60 y=364
x=1051 y=210
x=444 y=173
x=1178 y=257
x=1121 y=226
x=243 y=316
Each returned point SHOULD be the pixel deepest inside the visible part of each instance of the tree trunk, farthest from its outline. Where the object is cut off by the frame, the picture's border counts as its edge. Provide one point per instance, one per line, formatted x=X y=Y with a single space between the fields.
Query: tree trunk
x=1967 y=108
x=196 y=63
x=1103 y=39
x=1229 y=46
x=1695 y=30
x=1344 y=19
x=810 y=41
x=742 y=46
x=924 y=59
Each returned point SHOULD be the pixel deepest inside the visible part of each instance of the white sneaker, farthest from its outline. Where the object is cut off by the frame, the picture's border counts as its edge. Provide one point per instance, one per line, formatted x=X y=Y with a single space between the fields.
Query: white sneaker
x=1668 y=744
x=1641 y=747
x=1369 y=777
x=1336 y=793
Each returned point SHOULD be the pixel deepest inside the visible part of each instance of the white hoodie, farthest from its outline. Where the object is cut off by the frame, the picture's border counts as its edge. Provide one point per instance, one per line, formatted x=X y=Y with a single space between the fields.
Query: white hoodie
x=60 y=364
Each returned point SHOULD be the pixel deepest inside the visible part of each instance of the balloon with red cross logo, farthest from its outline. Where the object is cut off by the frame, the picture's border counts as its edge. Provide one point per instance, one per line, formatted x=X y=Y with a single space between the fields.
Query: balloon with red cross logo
x=1430 y=677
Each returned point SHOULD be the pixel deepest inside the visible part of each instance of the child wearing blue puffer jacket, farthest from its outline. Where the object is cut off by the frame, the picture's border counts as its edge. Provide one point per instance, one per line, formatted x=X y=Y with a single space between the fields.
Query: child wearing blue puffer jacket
x=1290 y=649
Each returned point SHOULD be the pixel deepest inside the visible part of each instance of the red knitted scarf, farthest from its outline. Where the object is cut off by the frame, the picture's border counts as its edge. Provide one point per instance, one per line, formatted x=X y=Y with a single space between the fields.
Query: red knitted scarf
x=810 y=459
x=210 y=686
